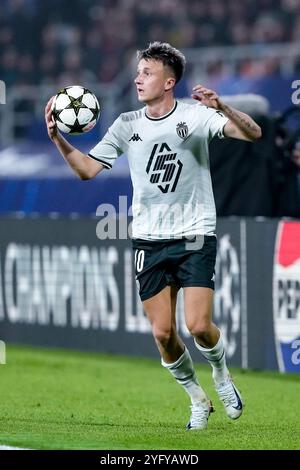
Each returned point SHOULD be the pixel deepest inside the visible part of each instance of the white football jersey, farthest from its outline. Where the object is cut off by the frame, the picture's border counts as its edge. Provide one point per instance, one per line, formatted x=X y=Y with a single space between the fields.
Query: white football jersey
x=169 y=166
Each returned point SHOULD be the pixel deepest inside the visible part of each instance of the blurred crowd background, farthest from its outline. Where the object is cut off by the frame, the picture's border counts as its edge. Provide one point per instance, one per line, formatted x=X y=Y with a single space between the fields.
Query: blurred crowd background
x=61 y=41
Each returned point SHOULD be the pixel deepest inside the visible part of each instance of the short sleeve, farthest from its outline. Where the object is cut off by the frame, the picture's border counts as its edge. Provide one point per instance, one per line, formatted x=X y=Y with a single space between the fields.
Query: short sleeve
x=213 y=122
x=110 y=147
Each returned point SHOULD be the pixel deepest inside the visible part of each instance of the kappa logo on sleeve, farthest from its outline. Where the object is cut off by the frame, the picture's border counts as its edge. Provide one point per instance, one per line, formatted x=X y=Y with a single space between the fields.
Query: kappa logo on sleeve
x=135 y=138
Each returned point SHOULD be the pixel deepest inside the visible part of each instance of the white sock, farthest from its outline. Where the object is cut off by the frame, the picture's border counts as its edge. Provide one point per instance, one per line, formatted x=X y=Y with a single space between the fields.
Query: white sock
x=216 y=358
x=184 y=373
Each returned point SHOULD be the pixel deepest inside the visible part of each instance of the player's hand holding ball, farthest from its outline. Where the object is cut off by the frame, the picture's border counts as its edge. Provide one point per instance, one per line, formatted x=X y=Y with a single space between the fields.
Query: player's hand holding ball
x=51 y=125
x=74 y=110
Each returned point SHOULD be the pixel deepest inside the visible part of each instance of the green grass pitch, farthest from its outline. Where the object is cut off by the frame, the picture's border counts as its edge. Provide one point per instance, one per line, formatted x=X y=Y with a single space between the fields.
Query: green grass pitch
x=54 y=399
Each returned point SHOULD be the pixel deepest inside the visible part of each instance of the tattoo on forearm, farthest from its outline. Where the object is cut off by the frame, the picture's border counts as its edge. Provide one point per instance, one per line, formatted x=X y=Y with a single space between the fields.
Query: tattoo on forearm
x=244 y=122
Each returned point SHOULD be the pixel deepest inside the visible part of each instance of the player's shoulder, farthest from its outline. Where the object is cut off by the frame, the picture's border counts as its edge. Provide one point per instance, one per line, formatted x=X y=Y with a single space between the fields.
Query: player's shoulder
x=189 y=110
x=132 y=115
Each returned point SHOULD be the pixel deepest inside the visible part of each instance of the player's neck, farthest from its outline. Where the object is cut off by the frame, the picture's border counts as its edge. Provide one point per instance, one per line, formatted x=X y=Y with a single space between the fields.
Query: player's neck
x=160 y=109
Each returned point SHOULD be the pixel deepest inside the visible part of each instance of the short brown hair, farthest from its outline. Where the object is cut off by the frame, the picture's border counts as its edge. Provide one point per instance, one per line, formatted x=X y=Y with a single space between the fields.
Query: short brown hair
x=167 y=54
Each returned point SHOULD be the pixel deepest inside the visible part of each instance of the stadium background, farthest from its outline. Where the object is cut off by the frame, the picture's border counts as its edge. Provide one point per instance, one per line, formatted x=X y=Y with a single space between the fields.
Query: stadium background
x=62 y=286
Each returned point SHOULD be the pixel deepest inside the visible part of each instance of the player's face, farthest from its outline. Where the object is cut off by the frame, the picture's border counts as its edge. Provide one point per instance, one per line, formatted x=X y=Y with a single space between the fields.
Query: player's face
x=151 y=80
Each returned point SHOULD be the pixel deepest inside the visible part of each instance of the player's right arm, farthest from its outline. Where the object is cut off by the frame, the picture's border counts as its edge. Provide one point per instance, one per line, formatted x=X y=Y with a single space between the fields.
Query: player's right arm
x=84 y=166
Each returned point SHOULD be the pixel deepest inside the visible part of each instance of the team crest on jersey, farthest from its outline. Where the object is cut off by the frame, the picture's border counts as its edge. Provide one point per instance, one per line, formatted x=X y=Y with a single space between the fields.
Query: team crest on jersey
x=182 y=130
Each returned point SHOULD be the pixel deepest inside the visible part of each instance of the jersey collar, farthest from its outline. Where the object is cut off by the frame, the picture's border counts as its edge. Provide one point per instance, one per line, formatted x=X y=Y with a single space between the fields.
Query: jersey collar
x=162 y=117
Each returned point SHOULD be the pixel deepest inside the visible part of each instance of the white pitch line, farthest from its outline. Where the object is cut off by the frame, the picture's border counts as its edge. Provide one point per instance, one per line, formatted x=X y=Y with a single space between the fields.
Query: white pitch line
x=11 y=448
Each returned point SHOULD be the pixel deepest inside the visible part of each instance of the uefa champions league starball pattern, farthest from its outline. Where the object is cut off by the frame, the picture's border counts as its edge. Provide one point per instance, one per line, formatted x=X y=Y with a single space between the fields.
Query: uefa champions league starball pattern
x=75 y=110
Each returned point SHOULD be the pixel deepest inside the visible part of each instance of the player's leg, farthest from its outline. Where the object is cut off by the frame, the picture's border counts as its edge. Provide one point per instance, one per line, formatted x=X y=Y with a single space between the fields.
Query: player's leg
x=198 y=305
x=161 y=312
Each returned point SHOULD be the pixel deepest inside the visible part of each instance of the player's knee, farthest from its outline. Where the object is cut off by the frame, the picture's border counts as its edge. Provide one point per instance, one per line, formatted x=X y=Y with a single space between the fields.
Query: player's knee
x=163 y=335
x=199 y=329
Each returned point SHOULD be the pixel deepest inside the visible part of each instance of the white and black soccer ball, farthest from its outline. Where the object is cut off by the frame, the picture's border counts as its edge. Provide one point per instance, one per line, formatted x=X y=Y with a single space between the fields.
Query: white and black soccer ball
x=75 y=110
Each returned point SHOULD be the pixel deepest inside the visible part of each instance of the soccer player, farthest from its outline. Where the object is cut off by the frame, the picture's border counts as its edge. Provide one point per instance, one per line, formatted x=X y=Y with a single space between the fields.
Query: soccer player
x=173 y=232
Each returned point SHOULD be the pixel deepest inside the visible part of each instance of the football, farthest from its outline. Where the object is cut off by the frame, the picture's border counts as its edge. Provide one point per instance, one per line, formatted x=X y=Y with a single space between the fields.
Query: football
x=75 y=110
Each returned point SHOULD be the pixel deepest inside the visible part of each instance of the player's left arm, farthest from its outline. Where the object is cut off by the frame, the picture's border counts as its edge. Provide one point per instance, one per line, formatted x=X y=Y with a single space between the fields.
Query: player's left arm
x=240 y=125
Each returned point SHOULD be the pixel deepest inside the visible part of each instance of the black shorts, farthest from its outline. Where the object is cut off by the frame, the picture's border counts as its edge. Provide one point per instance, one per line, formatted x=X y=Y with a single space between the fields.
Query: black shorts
x=183 y=262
